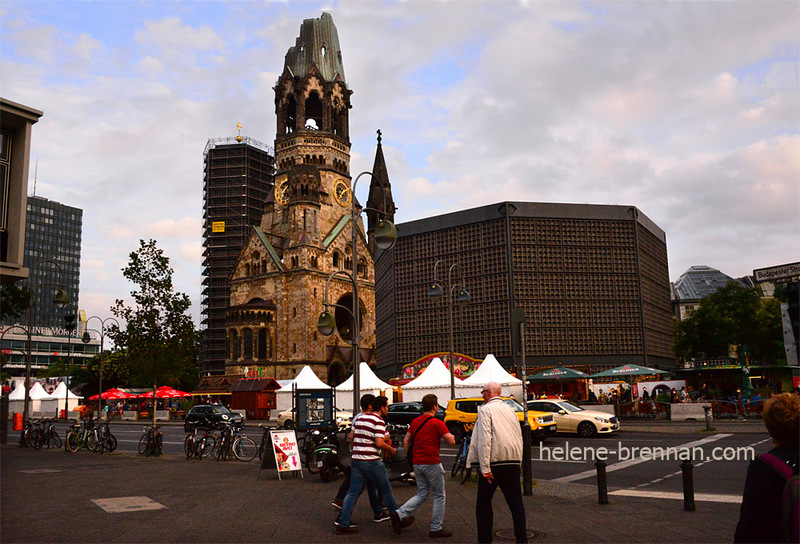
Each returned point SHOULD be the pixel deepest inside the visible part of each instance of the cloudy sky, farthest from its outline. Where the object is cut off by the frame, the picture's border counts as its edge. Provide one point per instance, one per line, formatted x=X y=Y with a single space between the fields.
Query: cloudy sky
x=688 y=110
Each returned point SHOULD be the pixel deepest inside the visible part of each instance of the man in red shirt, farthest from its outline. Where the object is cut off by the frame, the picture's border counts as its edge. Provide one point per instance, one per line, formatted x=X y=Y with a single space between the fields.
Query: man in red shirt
x=424 y=436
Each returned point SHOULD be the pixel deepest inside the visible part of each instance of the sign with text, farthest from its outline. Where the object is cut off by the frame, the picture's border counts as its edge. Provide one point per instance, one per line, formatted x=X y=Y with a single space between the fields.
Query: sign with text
x=218 y=226
x=285 y=450
x=775 y=273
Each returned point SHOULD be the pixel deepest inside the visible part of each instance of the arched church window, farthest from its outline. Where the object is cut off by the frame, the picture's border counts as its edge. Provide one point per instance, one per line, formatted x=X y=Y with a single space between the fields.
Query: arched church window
x=262 y=344
x=247 y=338
x=235 y=347
x=313 y=112
x=291 y=115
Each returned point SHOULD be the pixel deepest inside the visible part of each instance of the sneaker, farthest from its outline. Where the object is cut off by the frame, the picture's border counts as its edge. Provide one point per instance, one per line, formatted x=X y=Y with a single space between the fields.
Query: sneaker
x=352 y=529
x=441 y=533
x=338 y=503
x=352 y=524
x=383 y=516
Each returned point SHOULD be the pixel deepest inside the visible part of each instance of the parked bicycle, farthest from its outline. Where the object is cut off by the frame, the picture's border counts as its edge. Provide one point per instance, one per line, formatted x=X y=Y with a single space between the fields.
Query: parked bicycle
x=151 y=441
x=84 y=435
x=33 y=434
x=460 y=469
x=108 y=440
x=265 y=443
x=51 y=437
x=244 y=448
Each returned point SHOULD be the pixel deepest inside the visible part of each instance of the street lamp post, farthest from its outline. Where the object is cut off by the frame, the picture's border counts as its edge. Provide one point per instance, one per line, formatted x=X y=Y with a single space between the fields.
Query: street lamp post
x=385 y=238
x=70 y=327
x=86 y=338
x=435 y=292
x=60 y=300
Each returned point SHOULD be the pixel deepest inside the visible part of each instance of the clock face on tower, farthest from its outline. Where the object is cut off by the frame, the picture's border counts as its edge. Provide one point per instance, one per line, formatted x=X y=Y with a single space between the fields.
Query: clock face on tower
x=282 y=192
x=341 y=192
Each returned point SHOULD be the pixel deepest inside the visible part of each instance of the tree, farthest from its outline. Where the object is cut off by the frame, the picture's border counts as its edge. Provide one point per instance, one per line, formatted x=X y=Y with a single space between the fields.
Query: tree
x=159 y=340
x=736 y=316
x=15 y=301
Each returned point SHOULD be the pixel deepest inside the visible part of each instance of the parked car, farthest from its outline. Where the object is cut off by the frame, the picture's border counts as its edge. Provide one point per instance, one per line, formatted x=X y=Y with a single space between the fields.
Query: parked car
x=461 y=414
x=343 y=419
x=574 y=419
x=403 y=413
x=205 y=416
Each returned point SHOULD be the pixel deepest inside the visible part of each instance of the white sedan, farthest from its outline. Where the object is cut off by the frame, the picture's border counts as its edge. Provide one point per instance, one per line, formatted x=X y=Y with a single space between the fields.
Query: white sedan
x=574 y=419
x=287 y=417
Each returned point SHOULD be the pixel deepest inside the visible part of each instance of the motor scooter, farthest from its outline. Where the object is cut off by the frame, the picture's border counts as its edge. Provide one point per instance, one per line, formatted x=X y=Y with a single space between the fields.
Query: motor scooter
x=326 y=455
x=397 y=467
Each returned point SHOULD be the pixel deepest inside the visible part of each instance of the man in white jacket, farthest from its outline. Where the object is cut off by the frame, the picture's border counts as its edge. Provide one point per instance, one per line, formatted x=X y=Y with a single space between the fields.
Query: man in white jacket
x=496 y=448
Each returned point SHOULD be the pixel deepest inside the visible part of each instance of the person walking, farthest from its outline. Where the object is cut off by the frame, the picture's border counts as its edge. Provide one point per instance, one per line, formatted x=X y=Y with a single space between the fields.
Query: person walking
x=368 y=437
x=496 y=448
x=762 y=517
x=423 y=440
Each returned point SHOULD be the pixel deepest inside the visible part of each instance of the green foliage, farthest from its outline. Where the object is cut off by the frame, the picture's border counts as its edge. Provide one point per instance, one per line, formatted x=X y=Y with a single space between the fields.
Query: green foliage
x=160 y=343
x=733 y=315
x=15 y=301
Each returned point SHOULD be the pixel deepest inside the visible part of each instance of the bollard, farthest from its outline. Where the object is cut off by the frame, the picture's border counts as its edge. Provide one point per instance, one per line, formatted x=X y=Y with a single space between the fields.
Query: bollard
x=527 y=476
x=602 y=484
x=688 y=486
x=707 y=410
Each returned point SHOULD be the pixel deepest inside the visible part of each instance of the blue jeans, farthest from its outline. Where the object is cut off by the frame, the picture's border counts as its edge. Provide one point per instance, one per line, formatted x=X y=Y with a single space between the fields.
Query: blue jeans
x=362 y=472
x=429 y=478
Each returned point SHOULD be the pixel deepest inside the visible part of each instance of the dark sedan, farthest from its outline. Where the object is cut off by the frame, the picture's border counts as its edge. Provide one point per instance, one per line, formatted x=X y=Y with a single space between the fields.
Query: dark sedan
x=205 y=416
x=403 y=413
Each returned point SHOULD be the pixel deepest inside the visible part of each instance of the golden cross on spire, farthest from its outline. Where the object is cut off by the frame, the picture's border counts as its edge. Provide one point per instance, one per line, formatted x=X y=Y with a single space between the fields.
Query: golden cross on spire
x=239 y=126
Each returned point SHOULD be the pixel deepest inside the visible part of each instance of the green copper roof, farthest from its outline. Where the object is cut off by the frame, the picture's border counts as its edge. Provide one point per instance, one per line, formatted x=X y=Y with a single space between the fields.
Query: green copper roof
x=336 y=230
x=271 y=250
x=318 y=45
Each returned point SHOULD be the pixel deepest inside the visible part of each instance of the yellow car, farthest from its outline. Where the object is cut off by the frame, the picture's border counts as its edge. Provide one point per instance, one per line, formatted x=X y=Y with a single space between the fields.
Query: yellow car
x=461 y=414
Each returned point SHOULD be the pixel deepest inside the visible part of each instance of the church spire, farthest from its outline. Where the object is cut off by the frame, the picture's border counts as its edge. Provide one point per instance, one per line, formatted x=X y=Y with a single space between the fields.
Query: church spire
x=380 y=195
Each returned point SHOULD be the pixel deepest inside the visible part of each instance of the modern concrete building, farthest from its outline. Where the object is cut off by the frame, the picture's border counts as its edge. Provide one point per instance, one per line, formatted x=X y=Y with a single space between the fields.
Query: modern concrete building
x=237 y=180
x=16 y=123
x=592 y=280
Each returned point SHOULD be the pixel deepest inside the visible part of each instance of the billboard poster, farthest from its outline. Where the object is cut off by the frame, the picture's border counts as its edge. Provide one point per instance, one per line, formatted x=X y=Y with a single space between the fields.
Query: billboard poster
x=285 y=450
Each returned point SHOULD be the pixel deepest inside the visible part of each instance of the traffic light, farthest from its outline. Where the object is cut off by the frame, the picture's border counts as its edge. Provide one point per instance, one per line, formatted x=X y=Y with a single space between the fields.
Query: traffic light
x=70 y=325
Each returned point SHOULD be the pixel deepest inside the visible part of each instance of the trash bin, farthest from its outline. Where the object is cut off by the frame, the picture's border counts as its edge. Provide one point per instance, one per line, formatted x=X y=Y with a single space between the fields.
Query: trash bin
x=17 y=421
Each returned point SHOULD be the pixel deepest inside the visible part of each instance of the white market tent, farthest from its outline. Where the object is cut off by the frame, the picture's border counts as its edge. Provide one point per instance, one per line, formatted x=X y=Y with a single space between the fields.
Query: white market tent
x=17 y=399
x=306 y=379
x=368 y=382
x=58 y=396
x=490 y=371
x=435 y=379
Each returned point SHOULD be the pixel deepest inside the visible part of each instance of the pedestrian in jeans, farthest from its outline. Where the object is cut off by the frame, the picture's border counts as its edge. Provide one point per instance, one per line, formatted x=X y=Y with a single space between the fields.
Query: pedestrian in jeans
x=427 y=431
x=368 y=439
x=496 y=448
x=378 y=513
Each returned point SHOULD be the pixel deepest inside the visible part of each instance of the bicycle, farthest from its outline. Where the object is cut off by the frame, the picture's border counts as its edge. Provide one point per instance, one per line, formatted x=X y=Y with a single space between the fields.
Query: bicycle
x=108 y=440
x=264 y=445
x=194 y=446
x=244 y=448
x=151 y=441
x=84 y=434
x=224 y=443
x=51 y=437
x=33 y=434
x=460 y=468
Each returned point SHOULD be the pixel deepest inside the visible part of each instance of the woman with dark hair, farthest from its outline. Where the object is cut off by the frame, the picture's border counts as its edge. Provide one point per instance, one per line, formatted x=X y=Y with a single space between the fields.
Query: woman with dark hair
x=762 y=518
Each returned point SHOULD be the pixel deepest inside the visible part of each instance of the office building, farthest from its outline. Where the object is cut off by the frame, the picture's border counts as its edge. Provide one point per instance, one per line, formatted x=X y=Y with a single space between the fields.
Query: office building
x=592 y=281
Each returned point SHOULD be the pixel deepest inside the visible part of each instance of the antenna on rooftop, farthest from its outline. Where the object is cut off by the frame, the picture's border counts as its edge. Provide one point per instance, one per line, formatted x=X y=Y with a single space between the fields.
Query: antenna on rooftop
x=35 y=175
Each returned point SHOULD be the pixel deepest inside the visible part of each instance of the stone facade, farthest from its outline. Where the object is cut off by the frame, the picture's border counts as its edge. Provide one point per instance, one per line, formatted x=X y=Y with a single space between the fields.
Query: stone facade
x=303 y=245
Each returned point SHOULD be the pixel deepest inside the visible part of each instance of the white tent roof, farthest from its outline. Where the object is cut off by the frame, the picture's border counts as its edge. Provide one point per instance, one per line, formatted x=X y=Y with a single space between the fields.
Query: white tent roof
x=306 y=379
x=436 y=375
x=366 y=380
x=491 y=371
x=38 y=392
x=18 y=393
x=62 y=391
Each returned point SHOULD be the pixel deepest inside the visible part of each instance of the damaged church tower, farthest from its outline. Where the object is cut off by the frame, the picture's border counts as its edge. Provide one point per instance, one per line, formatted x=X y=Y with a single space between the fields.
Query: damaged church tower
x=279 y=281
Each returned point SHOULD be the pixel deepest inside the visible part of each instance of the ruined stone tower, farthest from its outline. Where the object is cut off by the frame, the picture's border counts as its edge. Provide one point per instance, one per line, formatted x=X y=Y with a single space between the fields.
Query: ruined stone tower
x=278 y=285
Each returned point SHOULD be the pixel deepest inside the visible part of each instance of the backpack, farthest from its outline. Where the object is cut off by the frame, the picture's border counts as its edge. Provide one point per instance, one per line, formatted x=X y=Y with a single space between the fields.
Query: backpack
x=790 y=498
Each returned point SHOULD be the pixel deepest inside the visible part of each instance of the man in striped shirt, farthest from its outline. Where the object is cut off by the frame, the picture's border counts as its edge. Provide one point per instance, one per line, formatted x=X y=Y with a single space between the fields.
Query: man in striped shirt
x=368 y=437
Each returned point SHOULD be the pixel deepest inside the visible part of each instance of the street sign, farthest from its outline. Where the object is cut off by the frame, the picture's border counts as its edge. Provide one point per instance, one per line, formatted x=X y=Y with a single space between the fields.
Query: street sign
x=774 y=273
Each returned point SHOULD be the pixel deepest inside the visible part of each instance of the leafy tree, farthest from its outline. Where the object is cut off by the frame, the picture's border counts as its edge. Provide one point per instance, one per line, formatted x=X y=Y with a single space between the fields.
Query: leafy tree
x=159 y=342
x=734 y=315
x=15 y=301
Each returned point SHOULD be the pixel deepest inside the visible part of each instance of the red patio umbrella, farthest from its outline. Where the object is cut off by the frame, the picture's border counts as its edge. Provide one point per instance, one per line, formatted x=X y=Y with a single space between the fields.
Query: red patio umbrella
x=164 y=392
x=114 y=394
